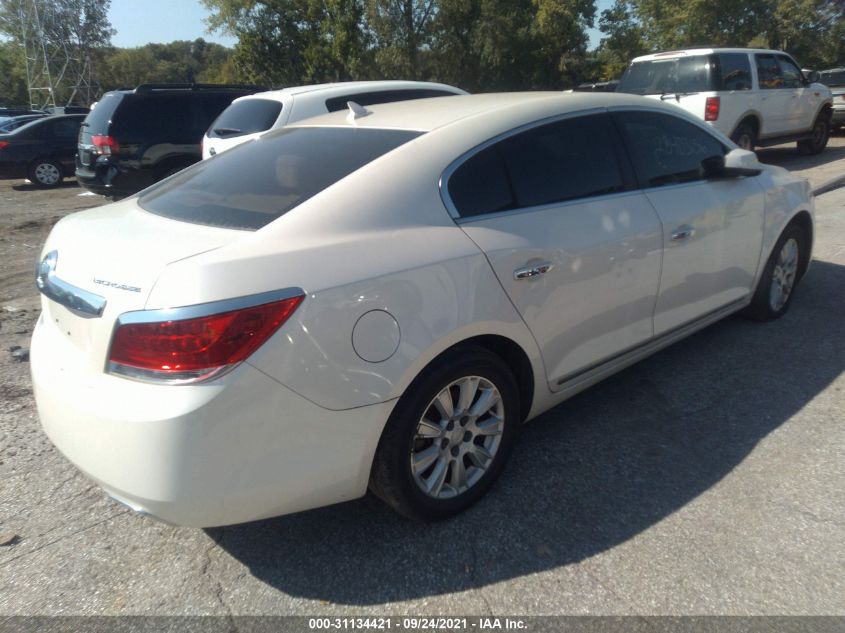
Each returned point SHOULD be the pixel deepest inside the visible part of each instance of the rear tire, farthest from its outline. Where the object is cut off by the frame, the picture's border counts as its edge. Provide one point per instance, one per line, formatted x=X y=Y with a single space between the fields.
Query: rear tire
x=821 y=134
x=745 y=137
x=45 y=173
x=780 y=277
x=449 y=436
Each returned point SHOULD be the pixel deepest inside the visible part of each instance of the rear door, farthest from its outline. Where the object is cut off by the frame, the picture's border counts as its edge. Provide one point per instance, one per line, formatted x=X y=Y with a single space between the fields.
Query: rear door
x=712 y=229
x=575 y=247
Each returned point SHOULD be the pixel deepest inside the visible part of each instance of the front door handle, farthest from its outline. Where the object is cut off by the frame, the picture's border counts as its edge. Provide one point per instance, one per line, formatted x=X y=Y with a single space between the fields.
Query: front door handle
x=682 y=233
x=530 y=272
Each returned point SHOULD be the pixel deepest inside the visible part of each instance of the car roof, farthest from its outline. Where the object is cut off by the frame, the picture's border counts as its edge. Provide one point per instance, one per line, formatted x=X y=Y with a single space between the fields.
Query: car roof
x=328 y=90
x=689 y=52
x=426 y=115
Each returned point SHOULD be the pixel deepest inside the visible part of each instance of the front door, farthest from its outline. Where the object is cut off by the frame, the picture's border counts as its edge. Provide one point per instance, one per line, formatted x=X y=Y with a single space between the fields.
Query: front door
x=712 y=229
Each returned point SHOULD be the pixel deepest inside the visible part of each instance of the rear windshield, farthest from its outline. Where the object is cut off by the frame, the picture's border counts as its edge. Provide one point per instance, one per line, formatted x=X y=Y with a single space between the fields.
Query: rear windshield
x=668 y=76
x=251 y=185
x=246 y=117
x=833 y=78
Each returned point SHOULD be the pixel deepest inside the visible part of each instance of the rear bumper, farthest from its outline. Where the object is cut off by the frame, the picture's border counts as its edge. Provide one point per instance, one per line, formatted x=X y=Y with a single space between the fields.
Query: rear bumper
x=838 y=117
x=239 y=448
x=109 y=179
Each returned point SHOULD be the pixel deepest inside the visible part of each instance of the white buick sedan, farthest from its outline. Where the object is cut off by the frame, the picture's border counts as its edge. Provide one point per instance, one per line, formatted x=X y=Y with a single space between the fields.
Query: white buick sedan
x=381 y=298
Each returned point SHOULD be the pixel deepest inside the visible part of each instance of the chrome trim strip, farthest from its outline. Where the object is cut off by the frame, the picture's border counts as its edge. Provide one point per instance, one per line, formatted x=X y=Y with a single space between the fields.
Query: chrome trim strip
x=82 y=302
x=207 y=309
x=634 y=354
x=443 y=183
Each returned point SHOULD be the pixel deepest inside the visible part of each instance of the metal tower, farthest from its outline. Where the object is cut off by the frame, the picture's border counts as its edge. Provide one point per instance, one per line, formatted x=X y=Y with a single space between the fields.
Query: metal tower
x=58 y=70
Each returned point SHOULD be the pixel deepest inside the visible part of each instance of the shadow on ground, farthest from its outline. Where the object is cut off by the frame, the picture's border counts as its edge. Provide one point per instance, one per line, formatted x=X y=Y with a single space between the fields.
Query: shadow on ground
x=585 y=477
x=787 y=156
x=28 y=186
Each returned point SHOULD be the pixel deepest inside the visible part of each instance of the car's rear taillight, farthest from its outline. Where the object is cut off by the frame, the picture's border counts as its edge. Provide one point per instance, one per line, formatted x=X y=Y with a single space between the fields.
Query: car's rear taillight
x=4 y=144
x=185 y=350
x=105 y=145
x=711 y=109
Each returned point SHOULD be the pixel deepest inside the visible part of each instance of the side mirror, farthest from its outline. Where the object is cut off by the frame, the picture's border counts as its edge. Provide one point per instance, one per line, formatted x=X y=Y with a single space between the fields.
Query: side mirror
x=736 y=163
x=812 y=77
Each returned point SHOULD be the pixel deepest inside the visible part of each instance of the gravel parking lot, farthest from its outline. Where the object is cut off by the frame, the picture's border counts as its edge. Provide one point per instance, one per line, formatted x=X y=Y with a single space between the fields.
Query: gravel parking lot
x=708 y=479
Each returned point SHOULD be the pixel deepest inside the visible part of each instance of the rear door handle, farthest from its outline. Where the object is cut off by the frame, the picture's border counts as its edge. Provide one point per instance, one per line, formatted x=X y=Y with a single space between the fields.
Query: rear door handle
x=530 y=272
x=682 y=233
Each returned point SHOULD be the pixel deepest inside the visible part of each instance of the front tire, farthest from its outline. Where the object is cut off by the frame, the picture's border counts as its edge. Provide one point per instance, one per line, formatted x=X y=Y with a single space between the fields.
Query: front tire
x=46 y=173
x=449 y=436
x=821 y=134
x=780 y=277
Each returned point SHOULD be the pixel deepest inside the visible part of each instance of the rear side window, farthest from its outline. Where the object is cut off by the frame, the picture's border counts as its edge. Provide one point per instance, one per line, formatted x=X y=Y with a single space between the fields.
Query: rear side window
x=768 y=72
x=665 y=149
x=561 y=161
x=97 y=121
x=734 y=71
x=246 y=117
x=155 y=118
x=251 y=185
x=383 y=96
x=668 y=76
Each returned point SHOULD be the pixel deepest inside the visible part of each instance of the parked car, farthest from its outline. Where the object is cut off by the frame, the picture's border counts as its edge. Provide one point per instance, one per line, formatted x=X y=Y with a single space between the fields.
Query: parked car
x=13 y=123
x=757 y=97
x=133 y=138
x=67 y=110
x=10 y=112
x=835 y=80
x=250 y=116
x=382 y=296
x=41 y=150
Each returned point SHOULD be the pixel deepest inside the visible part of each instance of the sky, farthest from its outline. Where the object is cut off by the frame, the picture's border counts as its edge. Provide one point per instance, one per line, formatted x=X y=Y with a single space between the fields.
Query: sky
x=140 y=22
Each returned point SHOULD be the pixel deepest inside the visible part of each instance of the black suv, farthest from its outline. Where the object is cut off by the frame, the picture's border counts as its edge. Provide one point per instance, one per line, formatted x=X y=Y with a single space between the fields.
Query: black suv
x=133 y=138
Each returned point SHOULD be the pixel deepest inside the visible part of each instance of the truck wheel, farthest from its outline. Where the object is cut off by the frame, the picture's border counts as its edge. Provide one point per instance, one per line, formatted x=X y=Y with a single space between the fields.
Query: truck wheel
x=821 y=133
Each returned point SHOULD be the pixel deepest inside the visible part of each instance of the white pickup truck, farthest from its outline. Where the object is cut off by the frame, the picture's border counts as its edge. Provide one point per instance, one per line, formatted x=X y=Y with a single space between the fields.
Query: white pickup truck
x=756 y=97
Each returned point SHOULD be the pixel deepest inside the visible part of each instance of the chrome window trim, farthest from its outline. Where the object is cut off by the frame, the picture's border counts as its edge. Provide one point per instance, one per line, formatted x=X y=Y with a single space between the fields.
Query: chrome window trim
x=78 y=300
x=443 y=183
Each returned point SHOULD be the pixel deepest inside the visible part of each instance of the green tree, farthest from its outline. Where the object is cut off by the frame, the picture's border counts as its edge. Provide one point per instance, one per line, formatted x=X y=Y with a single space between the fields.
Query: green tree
x=13 y=88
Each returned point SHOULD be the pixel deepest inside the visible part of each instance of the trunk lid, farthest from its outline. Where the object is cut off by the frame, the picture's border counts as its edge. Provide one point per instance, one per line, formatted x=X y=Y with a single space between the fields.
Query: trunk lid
x=111 y=257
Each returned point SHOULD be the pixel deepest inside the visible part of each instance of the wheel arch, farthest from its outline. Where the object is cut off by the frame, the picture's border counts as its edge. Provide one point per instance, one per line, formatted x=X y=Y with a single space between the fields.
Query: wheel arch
x=803 y=220
x=752 y=117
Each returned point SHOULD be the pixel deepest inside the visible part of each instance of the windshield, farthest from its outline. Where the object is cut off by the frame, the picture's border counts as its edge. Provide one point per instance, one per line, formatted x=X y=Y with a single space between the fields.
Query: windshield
x=251 y=185
x=668 y=76
x=246 y=116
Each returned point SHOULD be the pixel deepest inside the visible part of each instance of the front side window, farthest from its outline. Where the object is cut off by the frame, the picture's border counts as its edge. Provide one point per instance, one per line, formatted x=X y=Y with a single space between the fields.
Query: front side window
x=665 y=149
x=561 y=161
x=768 y=72
x=253 y=184
x=735 y=71
x=792 y=77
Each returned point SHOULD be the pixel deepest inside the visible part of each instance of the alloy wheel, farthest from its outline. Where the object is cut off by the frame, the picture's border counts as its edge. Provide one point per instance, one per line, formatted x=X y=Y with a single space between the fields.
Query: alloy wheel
x=457 y=437
x=783 y=275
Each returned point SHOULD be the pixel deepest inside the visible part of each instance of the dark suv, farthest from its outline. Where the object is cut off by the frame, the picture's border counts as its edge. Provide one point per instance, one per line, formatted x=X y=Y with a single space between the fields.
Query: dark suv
x=133 y=138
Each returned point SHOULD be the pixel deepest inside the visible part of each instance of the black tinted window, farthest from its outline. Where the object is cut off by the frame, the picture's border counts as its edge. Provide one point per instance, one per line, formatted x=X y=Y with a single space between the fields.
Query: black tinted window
x=734 y=71
x=155 y=118
x=246 y=117
x=251 y=185
x=97 y=121
x=792 y=77
x=768 y=72
x=66 y=128
x=561 y=161
x=383 y=96
x=666 y=149
x=833 y=78
x=672 y=75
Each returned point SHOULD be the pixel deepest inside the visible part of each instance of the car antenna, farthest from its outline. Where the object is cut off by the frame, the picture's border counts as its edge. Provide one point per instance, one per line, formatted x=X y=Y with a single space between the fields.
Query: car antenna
x=356 y=111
